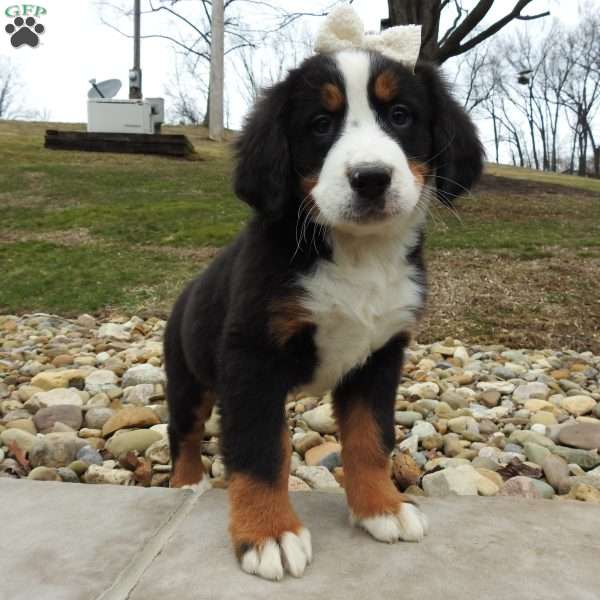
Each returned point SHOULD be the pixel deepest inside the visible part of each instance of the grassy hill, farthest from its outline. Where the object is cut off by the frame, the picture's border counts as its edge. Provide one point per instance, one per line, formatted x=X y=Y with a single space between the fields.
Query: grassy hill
x=517 y=262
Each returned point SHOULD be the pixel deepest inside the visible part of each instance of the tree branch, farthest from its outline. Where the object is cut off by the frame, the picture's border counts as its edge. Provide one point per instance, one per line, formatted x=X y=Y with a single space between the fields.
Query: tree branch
x=453 y=46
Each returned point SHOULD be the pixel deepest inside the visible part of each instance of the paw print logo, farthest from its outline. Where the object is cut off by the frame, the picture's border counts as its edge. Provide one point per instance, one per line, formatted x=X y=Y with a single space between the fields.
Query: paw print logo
x=24 y=31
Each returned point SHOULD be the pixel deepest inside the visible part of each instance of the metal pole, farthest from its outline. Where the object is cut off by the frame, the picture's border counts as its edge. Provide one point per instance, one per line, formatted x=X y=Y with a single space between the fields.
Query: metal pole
x=215 y=113
x=135 y=75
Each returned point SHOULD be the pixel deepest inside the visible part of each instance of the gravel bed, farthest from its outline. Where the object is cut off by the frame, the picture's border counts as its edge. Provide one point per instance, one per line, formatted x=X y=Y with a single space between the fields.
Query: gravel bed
x=83 y=401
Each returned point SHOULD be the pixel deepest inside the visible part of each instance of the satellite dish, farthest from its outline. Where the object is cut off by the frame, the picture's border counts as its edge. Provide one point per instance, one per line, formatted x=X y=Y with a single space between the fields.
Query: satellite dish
x=105 y=89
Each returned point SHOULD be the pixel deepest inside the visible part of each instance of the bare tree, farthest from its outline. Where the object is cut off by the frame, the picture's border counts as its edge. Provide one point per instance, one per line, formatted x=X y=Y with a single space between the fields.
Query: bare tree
x=581 y=94
x=465 y=32
x=9 y=85
x=262 y=67
x=190 y=31
x=473 y=81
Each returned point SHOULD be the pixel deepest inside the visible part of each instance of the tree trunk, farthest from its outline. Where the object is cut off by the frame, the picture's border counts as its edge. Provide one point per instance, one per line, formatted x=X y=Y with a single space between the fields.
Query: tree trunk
x=597 y=162
x=496 y=137
x=419 y=12
x=207 y=113
x=215 y=112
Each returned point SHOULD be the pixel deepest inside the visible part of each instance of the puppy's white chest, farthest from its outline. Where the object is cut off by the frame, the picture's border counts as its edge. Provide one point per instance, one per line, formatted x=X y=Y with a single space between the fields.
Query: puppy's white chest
x=358 y=301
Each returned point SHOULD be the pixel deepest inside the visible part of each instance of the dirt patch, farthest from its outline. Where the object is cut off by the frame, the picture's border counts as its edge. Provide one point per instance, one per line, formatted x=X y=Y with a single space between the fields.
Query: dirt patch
x=203 y=254
x=549 y=302
x=69 y=237
x=504 y=186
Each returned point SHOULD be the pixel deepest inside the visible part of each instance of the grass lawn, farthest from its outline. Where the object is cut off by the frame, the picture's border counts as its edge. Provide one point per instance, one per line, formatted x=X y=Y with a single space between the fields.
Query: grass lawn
x=516 y=263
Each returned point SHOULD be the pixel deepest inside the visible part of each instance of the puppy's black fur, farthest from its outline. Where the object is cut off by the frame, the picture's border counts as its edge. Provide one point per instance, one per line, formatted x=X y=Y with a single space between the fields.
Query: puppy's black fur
x=220 y=338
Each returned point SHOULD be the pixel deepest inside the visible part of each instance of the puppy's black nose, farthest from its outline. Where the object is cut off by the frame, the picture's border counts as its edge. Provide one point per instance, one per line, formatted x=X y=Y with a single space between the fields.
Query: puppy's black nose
x=370 y=181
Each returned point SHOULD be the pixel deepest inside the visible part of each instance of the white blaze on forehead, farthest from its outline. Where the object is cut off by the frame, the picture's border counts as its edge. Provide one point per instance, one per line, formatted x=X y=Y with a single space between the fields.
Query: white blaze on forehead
x=356 y=68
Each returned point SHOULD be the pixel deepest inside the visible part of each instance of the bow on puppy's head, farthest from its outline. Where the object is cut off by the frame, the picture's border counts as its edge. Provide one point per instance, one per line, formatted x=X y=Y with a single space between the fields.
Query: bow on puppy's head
x=343 y=29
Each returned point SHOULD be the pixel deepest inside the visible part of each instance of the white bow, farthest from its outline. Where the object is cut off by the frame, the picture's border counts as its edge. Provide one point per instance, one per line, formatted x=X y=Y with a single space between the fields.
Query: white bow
x=343 y=29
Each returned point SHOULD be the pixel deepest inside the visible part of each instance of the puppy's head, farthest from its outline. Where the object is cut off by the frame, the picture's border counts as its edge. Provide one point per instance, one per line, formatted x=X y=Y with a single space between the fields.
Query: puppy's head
x=357 y=136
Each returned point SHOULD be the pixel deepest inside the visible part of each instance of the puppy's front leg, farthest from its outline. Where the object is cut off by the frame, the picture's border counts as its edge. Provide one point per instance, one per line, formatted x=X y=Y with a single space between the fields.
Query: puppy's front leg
x=267 y=535
x=364 y=405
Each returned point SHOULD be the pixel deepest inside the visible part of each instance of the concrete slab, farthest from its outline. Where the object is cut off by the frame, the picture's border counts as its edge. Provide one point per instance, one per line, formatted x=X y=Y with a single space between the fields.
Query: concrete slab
x=492 y=548
x=76 y=542
x=61 y=541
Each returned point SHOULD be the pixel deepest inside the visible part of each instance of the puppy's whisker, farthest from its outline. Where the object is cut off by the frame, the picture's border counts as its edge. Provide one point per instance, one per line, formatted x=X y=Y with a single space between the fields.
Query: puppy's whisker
x=465 y=190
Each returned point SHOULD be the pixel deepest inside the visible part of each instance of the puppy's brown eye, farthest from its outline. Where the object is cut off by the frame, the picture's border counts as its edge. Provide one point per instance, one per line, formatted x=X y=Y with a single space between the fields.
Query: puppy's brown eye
x=322 y=125
x=400 y=116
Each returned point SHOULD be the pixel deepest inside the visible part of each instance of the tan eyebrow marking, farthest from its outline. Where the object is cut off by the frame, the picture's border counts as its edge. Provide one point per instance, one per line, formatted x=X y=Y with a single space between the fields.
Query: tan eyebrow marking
x=332 y=97
x=386 y=86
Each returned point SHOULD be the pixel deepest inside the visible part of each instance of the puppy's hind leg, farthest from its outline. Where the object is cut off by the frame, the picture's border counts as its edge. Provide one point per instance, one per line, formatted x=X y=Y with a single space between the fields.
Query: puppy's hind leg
x=190 y=404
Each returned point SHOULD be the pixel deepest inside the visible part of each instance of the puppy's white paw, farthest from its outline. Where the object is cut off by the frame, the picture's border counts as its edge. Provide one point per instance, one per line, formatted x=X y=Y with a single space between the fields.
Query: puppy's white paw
x=199 y=488
x=408 y=524
x=292 y=553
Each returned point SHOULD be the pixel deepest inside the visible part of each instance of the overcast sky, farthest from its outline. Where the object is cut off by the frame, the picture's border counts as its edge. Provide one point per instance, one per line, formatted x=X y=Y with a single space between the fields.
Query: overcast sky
x=77 y=46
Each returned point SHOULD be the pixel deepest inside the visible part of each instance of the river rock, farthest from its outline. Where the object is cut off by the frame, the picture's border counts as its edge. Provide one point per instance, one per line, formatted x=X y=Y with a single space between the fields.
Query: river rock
x=70 y=415
x=102 y=474
x=26 y=424
x=427 y=389
x=128 y=441
x=586 y=459
x=581 y=435
x=44 y=474
x=115 y=331
x=131 y=416
x=96 y=417
x=584 y=493
x=531 y=390
x=407 y=418
x=520 y=486
x=144 y=373
x=23 y=439
x=140 y=395
x=523 y=437
x=158 y=452
x=545 y=490
x=556 y=471
x=49 y=380
x=101 y=380
x=462 y=425
x=89 y=455
x=295 y=484
x=56 y=397
x=578 y=405
x=315 y=455
x=536 y=453
x=405 y=471
x=317 y=477
x=54 y=450
x=423 y=429
x=458 y=481
x=306 y=441
x=321 y=419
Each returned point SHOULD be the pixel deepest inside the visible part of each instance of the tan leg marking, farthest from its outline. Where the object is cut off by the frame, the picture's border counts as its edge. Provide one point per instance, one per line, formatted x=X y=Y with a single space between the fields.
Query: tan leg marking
x=188 y=468
x=367 y=480
x=260 y=510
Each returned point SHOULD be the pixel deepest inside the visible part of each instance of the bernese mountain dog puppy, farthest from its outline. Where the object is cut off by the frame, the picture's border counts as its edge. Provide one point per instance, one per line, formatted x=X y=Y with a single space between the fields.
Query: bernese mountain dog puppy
x=319 y=292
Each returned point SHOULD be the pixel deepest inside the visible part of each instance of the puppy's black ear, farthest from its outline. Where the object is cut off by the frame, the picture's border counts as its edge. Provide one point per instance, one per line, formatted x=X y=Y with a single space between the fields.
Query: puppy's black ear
x=457 y=152
x=263 y=170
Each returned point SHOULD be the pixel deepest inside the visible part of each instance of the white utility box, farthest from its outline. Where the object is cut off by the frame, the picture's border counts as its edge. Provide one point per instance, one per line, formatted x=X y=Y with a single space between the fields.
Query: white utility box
x=107 y=115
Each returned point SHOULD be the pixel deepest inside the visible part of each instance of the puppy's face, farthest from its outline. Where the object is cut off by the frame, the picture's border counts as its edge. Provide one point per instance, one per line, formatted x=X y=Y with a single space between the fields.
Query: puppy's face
x=351 y=138
x=360 y=138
